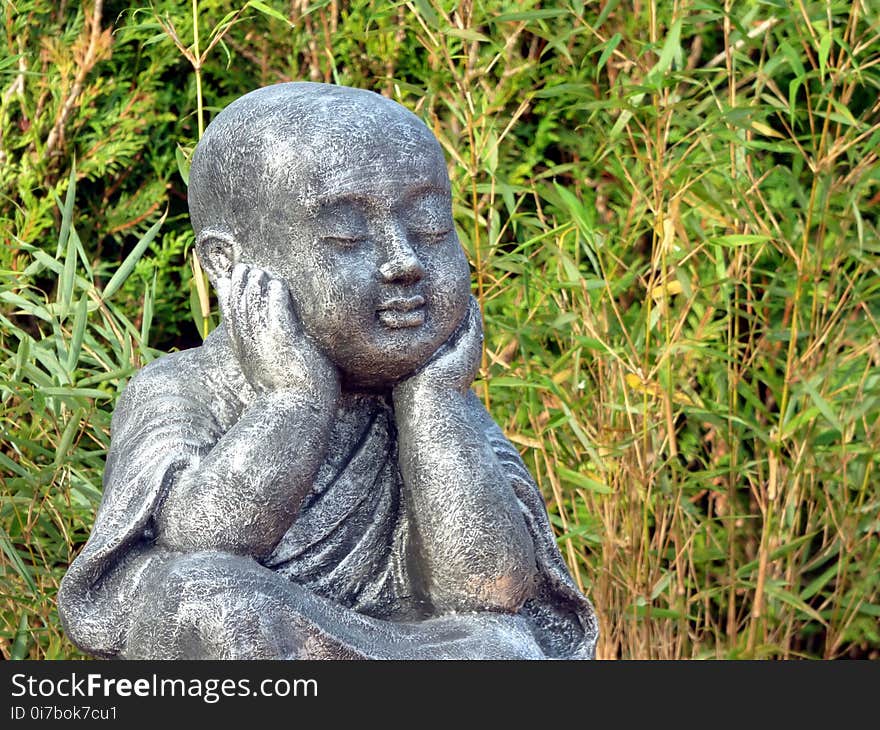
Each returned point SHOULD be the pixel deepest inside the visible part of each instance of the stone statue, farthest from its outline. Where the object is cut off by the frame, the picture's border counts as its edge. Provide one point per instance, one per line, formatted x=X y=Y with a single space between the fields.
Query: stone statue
x=317 y=480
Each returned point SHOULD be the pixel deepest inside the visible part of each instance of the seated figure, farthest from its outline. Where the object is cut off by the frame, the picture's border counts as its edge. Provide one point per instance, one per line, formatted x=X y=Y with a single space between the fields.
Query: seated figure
x=317 y=480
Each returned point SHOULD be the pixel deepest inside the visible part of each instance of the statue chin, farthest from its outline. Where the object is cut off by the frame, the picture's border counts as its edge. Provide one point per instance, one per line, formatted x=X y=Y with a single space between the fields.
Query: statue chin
x=382 y=379
x=377 y=365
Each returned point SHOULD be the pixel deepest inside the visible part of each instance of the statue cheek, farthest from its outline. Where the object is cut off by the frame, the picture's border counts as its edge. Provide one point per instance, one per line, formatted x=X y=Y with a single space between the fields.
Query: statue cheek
x=447 y=264
x=458 y=281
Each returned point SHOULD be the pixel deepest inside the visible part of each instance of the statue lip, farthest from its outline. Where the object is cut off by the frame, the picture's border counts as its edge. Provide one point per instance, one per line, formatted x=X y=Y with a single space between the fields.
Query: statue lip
x=401 y=304
x=402 y=312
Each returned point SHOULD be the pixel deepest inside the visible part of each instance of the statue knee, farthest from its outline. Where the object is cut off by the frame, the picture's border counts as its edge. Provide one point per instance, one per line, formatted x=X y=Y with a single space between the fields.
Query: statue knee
x=191 y=608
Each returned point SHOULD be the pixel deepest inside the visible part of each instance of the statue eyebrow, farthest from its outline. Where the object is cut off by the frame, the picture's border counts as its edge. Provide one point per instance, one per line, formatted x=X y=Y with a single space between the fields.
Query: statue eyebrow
x=328 y=201
x=410 y=193
x=424 y=189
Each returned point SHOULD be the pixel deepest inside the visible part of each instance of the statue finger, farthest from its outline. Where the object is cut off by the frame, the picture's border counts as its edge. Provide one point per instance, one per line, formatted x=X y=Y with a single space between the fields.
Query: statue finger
x=255 y=301
x=234 y=306
x=280 y=309
x=237 y=292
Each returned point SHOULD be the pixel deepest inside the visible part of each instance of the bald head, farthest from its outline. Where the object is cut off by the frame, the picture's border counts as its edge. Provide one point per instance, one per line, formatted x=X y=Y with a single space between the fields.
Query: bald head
x=289 y=144
x=344 y=196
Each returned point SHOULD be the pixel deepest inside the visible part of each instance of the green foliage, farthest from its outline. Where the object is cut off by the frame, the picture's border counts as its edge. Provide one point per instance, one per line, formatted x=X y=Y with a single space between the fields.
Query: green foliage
x=65 y=357
x=671 y=215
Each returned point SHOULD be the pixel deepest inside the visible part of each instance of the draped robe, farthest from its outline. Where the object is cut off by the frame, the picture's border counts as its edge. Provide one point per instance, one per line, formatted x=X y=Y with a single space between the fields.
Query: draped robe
x=348 y=546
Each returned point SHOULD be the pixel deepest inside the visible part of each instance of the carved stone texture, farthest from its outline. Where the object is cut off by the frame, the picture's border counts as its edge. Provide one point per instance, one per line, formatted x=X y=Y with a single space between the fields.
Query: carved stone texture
x=318 y=480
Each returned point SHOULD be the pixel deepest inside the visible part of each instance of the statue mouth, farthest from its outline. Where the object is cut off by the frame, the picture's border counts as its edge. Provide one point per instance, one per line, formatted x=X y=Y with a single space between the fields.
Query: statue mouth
x=402 y=312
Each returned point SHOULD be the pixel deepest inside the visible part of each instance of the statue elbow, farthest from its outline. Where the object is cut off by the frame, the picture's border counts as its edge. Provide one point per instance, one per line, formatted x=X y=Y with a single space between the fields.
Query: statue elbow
x=76 y=613
x=507 y=593
x=503 y=590
x=511 y=581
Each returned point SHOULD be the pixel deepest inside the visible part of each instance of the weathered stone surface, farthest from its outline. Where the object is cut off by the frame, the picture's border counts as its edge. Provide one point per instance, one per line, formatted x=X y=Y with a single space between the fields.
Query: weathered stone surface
x=317 y=480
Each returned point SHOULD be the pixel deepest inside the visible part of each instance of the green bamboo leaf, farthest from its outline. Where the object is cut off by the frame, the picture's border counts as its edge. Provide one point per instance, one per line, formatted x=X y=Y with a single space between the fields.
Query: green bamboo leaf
x=67 y=210
x=506 y=381
x=793 y=58
x=580 y=532
x=9 y=60
x=26 y=306
x=45 y=261
x=423 y=7
x=780 y=552
x=22 y=355
x=822 y=405
x=35 y=268
x=147 y=318
x=821 y=581
x=567 y=90
x=314 y=6
x=183 y=164
x=584 y=481
x=67 y=436
x=22 y=640
x=671 y=49
x=660 y=586
x=844 y=115
x=621 y=122
x=118 y=374
x=609 y=8
x=537 y=14
x=8 y=463
x=77 y=334
x=740 y=239
x=790 y=427
x=74 y=392
x=157 y=38
x=579 y=212
x=869 y=609
x=17 y=563
x=65 y=283
x=266 y=10
x=225 y=23
x=824 y=52
x=127 y=266
x=610 y=45
x=467 y=34
x=794 y=601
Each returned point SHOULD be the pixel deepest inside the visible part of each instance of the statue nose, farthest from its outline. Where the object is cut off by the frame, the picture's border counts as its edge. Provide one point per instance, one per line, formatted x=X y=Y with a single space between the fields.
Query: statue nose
x=401 y=264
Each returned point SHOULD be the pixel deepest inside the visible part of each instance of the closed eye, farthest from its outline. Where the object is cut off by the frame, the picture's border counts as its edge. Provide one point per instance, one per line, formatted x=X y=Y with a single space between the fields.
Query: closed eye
x=432 y=235
x=343 y=241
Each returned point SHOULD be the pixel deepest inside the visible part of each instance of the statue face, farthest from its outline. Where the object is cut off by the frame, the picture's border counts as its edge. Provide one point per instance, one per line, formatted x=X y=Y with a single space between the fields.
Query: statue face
x=365 y=239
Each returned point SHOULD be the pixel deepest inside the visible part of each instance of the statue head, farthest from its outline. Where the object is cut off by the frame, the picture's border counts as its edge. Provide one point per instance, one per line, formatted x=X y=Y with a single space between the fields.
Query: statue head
x=343 y=194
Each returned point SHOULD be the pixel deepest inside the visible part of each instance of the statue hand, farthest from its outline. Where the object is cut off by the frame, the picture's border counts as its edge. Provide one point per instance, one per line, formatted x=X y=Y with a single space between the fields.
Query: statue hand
x=456 y=362
x=269 y=341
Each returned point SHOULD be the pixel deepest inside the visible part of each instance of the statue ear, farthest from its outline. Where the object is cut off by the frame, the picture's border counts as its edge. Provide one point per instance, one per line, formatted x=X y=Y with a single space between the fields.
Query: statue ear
x=218 y=252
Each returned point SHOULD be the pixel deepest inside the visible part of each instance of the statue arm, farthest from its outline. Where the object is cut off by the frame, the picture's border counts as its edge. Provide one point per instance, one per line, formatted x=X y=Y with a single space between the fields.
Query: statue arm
x=475 y=548
x=246 y=491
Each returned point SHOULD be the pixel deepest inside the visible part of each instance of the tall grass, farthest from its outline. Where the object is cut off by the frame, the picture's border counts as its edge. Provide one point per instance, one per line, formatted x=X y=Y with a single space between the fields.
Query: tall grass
x=671 y=214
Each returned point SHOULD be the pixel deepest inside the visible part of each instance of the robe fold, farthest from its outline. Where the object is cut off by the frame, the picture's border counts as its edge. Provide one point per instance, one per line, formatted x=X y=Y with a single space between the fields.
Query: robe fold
x=347 y=547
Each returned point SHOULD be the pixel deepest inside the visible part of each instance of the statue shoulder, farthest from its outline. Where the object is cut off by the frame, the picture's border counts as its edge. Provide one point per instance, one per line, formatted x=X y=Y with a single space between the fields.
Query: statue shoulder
x=487 y=423
x=189 y=384
x=170 y=376
x=506 y=453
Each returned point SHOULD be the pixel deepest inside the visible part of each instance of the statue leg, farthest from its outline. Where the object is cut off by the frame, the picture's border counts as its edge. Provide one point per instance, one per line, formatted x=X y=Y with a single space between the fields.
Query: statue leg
x=213 y=605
